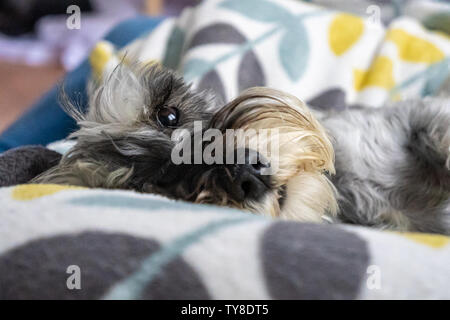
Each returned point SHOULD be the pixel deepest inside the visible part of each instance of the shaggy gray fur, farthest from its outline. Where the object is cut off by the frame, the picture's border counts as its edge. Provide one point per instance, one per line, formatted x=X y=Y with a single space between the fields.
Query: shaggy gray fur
x=393 y=165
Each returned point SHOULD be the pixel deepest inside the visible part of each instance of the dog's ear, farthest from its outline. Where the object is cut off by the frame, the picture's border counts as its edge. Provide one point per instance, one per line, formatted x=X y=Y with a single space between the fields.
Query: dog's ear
x=300 y=151
x=301 y=143
x=119 y=98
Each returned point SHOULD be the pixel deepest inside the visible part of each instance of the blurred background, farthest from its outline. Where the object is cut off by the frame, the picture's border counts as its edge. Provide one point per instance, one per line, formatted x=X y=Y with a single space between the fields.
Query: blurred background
x=37 y=48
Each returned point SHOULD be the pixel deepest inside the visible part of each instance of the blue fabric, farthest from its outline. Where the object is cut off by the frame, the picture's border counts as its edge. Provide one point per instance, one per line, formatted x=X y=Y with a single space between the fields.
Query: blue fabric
x=46 y=122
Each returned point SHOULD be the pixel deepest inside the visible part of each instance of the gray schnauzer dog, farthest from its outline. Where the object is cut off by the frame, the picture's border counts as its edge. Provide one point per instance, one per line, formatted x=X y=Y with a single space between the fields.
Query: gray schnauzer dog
x=387 y=168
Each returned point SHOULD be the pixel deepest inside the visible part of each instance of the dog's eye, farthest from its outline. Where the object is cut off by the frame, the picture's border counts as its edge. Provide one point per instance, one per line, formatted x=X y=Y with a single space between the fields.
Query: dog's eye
x=168 y=116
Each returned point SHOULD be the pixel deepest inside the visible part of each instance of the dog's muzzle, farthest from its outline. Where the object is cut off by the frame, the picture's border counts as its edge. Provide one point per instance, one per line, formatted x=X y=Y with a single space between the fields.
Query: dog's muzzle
x=218 y=183
x=248 y=181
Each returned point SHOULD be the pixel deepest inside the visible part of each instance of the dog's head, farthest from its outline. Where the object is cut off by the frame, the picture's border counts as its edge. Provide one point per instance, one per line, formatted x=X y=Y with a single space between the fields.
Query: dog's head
x=146 y=130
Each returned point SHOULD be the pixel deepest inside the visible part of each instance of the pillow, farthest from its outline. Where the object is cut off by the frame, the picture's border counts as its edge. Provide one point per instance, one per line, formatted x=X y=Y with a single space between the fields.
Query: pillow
x=328 y=58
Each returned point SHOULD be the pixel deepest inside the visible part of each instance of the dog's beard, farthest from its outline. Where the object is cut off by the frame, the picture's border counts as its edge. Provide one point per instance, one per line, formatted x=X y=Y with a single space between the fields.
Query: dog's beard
x=120 y=145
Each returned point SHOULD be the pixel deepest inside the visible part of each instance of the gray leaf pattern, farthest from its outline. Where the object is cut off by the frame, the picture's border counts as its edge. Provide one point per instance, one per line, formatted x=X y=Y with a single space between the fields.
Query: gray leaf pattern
x=250 y=72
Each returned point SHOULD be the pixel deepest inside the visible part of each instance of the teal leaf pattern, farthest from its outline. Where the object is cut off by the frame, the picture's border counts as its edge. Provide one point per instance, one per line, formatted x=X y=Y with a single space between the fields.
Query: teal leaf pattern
x=436 y=77
x=174 y=48
x=294 y=51
x=194 y=67
x=260 y=10
x=134 y=285
x=433 y=77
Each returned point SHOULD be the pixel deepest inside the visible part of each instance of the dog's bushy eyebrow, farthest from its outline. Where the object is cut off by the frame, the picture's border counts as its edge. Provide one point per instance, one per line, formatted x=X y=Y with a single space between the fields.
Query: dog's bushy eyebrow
x=168 y=90
x=162 y=84
x=165 y=91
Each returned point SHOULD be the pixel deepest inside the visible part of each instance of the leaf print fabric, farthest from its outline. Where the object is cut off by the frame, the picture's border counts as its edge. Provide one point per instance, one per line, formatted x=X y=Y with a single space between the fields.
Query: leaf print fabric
x=317 y=53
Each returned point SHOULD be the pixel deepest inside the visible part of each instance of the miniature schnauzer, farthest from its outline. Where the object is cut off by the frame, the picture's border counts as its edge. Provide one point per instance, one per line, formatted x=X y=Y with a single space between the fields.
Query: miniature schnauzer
x=392 y=164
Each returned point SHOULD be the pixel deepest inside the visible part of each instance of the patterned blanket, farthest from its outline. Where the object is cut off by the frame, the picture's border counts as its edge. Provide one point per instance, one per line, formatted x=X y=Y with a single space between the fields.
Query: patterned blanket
x=71 y=243
x=328 y=58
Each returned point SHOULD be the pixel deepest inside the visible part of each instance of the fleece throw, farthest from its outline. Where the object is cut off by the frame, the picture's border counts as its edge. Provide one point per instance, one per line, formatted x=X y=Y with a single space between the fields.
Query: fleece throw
x=61 y=242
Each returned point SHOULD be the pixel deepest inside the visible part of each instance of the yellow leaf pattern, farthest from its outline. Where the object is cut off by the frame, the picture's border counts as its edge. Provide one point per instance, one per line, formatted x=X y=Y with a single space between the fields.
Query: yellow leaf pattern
x=32 y=191
x=380 y=74
x=414 y=49
x=345 y=30
x=99 y=57
x=431 y=240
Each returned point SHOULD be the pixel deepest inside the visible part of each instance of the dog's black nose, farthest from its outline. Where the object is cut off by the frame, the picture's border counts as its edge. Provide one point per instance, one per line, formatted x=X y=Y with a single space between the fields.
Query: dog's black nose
x=250 y=181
